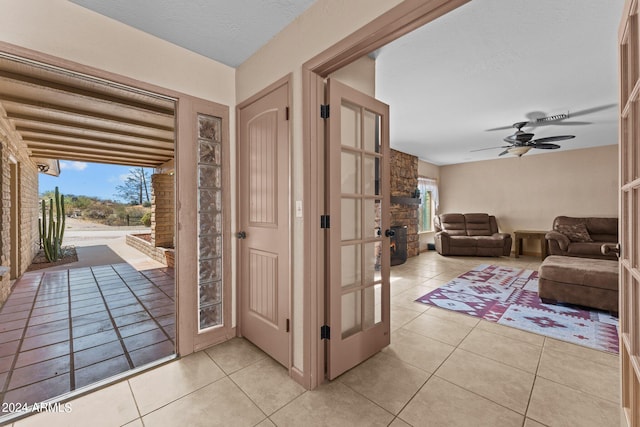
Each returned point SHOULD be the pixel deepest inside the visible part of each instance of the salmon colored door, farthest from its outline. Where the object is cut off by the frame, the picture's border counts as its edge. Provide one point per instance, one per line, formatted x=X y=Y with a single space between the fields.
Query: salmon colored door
x=629 y=40
x=358 y=227
x=263 y=236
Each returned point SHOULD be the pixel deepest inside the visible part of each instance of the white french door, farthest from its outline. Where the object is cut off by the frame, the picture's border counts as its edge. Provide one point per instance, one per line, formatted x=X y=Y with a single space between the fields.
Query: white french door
x=358 y=227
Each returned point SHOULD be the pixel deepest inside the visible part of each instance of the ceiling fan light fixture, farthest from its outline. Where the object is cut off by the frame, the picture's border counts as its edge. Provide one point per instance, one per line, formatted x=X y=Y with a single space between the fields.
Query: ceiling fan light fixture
x=519 y=151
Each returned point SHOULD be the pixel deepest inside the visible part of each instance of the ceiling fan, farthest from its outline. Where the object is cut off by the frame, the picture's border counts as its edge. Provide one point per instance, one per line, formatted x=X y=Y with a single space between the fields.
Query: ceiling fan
x=539 y=118
x=521 y=142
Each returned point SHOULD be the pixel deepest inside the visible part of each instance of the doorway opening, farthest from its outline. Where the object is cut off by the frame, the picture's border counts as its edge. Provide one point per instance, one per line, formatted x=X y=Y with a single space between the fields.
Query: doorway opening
x=66 y=327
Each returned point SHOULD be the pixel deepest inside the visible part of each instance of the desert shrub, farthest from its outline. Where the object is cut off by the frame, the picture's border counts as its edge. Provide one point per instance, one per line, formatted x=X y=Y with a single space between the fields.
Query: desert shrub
x=146 y=219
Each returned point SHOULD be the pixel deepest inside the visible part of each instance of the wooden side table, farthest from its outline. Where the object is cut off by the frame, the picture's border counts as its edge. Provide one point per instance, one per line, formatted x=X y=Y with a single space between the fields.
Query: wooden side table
x=530 y=234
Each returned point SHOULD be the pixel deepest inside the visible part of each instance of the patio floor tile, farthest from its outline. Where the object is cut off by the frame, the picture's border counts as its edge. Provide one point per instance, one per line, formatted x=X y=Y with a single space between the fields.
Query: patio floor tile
x=97 y=354
x=40 y=391
x=153 y=352
x=101 y=370
x=43 y=353
x=38 y=372
x=120 y=319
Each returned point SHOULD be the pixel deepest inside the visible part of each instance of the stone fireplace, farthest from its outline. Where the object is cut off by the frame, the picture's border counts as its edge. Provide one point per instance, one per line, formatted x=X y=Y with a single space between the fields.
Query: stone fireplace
x=404 y=208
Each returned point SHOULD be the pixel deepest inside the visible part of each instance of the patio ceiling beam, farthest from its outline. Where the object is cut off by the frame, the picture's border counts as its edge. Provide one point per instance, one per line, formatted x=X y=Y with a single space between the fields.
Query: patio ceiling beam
x=111 y=159
x=96 y=124
x=88 y=139
x=159 y=106
x=72 y=145
x=99 y=151
x=68 y=102
x=24 y=121
x=18 y=104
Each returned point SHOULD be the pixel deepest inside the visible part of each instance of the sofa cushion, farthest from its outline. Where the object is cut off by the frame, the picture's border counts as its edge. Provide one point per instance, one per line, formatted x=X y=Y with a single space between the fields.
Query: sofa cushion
x=603 y=226
x=478 y=224
x=599 y=229
x=575 y=232
x=453 y=224
x=581 y=271
x=464 y=241
x=496 y=241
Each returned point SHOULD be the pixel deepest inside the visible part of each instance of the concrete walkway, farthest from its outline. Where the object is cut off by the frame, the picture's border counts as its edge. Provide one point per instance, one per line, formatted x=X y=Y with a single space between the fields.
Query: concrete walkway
x=98 y=244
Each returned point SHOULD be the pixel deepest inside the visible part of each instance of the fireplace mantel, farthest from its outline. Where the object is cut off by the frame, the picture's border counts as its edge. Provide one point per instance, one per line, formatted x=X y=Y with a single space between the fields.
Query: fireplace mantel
x=407 y=201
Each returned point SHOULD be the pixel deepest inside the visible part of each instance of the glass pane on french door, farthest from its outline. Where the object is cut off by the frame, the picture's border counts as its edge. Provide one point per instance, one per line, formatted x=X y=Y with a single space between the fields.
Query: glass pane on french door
x=361 y=212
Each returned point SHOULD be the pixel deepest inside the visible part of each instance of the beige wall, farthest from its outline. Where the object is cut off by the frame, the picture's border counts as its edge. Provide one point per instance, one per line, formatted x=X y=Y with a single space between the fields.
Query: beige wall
x=428 y=170
x=360 y=75
x=528 y=192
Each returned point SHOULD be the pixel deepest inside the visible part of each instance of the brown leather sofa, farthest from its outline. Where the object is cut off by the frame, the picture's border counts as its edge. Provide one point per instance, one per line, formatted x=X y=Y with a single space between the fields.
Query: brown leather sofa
x=474 y=234
x=582 y=237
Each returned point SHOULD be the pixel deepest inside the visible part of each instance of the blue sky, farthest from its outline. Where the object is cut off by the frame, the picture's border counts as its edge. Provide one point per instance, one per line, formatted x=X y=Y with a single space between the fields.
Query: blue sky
x=85 y=179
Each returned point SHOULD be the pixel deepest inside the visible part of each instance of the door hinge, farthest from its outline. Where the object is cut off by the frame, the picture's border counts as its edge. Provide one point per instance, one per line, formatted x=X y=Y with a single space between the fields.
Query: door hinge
x=325 y=332
x=325 y=221
x=286 y=113
x=287 y=326
x=324 y=111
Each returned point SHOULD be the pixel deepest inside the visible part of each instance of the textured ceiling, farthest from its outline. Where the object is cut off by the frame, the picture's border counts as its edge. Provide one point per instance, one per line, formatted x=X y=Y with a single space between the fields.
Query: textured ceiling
x=228 y=31
x=492 y=63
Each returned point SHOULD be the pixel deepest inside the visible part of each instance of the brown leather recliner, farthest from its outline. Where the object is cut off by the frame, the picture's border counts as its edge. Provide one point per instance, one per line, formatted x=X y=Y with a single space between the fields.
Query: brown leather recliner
x=568 y=236
x=474 y=234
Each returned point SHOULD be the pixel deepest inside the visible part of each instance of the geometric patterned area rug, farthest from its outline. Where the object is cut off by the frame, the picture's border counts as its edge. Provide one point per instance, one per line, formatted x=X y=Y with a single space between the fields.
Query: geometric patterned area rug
x=509 y=296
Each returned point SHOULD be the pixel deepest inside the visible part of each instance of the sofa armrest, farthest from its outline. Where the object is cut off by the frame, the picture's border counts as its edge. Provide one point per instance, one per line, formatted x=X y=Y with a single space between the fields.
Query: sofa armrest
x=502 y=235
x=441 y=240
x=506 y=238
x=563 y=241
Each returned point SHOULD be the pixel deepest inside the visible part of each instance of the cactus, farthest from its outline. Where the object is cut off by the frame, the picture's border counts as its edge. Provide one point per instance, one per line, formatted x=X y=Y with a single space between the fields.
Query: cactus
x=51 y=230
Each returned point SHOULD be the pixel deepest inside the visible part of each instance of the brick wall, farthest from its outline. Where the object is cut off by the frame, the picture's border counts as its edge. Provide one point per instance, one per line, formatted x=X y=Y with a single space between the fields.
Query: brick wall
x=162 y=210
x=163 y=255
x=404 y=181
x=13 y=151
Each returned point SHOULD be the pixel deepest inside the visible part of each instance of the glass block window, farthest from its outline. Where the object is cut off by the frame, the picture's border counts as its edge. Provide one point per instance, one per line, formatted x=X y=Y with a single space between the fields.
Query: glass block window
x=209 y=221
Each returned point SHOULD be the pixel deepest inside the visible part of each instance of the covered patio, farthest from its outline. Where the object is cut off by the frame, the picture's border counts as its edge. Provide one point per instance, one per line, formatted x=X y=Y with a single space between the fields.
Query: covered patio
x=65 y=329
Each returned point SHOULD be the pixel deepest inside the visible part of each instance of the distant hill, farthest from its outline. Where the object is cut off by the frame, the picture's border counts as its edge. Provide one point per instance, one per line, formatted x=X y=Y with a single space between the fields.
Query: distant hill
x=107 y=212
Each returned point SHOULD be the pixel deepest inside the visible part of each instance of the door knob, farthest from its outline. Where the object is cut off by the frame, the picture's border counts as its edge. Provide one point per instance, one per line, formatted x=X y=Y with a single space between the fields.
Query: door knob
x=241 y=235
x=610 y=248
x=389 y=233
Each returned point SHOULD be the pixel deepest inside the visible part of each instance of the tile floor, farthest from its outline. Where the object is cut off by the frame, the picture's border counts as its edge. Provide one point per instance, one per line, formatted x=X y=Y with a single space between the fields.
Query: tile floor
x=62 y=330
x=441 y=369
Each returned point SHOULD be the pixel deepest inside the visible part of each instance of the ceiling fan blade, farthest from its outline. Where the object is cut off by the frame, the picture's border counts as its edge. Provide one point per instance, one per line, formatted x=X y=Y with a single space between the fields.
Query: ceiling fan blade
x=591 y=110
x=552 y=138
x=490 y=148
x=500 y=128
x=559 y=123
x=546 y=146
